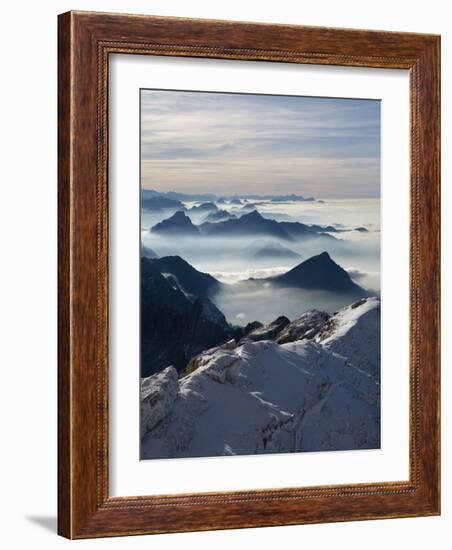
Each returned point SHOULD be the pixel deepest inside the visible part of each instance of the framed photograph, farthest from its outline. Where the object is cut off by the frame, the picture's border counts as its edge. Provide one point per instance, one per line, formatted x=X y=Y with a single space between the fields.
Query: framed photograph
x=248 y=275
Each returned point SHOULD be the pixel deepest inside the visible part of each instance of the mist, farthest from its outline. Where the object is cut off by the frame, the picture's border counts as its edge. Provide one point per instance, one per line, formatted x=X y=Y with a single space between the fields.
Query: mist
x=232 y=260
x=265 y=302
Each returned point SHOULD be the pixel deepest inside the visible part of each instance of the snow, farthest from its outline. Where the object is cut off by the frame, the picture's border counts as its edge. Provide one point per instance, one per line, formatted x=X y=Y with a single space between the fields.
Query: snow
x=354 y=332
x=158 y=393
x=264 y=397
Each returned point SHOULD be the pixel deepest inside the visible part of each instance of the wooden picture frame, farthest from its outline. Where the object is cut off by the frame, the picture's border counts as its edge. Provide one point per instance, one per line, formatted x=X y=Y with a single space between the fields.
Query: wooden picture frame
x=86 y=40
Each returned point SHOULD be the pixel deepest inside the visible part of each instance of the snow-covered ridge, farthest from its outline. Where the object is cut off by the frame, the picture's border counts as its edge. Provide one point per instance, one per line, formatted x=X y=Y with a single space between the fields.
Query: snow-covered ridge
x=264 y=397
x=354 y=332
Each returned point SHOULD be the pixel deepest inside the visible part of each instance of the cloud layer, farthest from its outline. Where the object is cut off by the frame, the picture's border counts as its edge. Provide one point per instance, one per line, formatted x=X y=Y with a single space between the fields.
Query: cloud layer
x=238 y=143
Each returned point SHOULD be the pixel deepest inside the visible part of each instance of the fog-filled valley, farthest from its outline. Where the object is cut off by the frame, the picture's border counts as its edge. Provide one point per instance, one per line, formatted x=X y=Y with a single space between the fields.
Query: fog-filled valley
x=353 y=241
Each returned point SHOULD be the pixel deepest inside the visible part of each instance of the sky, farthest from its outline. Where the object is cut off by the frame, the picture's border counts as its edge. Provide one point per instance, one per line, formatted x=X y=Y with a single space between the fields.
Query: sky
x=227 y=144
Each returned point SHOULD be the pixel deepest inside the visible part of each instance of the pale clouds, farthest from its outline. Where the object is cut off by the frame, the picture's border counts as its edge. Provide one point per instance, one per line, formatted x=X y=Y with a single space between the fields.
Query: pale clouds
x=236 y=143
x=231 y=277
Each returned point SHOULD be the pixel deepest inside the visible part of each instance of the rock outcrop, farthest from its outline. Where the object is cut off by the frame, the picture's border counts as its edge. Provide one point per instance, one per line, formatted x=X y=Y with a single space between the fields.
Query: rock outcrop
x=306 y=326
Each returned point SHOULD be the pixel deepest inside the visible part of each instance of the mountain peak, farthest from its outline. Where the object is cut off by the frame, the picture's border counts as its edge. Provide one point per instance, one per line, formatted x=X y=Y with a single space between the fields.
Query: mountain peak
x=252 y=223
x=188 y=278
x=322 y=259
x=253 y=215
x=179 y=215
x=179 y=222
x=320 y=272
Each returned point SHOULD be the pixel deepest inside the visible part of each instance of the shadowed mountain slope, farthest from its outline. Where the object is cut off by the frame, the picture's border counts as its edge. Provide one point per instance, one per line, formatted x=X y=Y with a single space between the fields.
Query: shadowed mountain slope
x=178 y=224
x=174 y=326
x=322 y=273
x=189 y=279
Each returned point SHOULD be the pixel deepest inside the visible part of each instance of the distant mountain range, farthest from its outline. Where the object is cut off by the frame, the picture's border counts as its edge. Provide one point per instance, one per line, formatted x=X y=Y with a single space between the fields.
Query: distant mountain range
x=159 y=204
x=283 y=198
x=252 y=224
x=274 y=198
x=248 y=224
x=149 y=193
x=233 y=199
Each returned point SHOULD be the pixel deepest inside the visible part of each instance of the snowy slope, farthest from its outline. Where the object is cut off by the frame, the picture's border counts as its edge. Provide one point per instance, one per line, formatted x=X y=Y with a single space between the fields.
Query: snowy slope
x=158 y=393
x=354 y=332
x=264 y=397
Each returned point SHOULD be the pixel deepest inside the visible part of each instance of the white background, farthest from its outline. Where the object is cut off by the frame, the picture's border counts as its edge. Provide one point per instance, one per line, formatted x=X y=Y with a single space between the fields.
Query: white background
x=128 y=475
x=28 y=274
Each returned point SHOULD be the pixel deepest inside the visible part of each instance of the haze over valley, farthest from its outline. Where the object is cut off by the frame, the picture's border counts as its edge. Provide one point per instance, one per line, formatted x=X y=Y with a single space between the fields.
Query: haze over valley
x=252 y=252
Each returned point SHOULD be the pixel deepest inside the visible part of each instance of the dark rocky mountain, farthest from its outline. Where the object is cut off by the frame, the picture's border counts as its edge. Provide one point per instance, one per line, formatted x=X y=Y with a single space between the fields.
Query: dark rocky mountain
x=252 y=326
x=189 y=279
x=304 y=327
x=255 y=224
x=270 y=331
x=178 y=224
x=248 y=224
x=158 y=203
x=251 y=224
x=282 y=330
x=174 y=327
x=322 y=273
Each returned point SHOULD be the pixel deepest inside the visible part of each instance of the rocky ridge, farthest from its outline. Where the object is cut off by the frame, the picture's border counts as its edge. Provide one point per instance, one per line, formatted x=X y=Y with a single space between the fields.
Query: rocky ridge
x=315 y=390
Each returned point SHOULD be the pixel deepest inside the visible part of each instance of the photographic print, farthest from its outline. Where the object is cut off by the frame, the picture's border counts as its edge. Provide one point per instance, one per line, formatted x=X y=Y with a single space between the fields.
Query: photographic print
x=259 y=274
